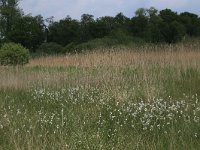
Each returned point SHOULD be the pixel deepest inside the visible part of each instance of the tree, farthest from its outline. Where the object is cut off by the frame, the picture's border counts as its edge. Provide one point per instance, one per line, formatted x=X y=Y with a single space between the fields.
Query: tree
x=87 y=19
x=172 y=32
x=139 y=23
x=168 y=15
x=191 y=23
x=141 y=12
x=154 y=27
x=101 y=27
x=177 y=31
x=9 y=13
x=152 y=12
x=87 y=25
x=121 y=20
x=121 y=23
x=28 y=31
x=107 y=24
x=64 y=32
x=171 y=28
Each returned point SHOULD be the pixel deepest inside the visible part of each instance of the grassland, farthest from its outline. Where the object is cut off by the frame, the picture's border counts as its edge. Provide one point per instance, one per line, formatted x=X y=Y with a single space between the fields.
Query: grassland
x=145 y=98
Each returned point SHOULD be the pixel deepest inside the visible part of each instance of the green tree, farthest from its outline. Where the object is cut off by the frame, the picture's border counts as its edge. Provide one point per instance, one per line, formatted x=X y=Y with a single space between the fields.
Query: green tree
x=139 y=23
x=154 y=27
x=121 y=25
x=191 y=23
x=105 y=25
x=87 y=27
x=9 y=13
x=64 y=32
x=172 y=30
x=141 y=12
x=177 y=31
x=121 y=21
x=168 y=15
x=28 y=31
x=152 y=12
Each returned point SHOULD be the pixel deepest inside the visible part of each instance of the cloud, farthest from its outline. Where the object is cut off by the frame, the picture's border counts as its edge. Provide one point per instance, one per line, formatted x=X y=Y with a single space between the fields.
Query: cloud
x=176 y=5
x=75 y=8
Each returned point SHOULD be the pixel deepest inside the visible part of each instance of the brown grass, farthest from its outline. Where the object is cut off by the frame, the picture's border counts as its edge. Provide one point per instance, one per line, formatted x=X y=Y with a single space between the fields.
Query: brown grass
x=120 y=58
x=108 y=65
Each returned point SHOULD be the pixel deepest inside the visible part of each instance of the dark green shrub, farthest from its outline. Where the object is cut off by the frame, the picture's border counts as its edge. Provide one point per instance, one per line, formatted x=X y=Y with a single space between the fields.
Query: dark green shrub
x=99 y=43
x=50 y=49
x=106 y=43
x=13 y=54
x=70 y=48
x=121 y=37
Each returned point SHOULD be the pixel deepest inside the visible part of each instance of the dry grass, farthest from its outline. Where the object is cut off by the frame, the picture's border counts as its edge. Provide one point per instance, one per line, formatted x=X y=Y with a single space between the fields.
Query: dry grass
x=103 y=100
x=120 y=58
x=53 y=70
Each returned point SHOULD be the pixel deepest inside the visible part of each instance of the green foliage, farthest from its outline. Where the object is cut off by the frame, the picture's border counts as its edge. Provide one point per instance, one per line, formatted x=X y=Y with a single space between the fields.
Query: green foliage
x=49 y=48
x=104 y=114
x=112 y=41
x=178 y=31
x=13 y=54
x=105 y=25
x=101 y=43
x=70 y=48
x=17 y=28
x=9 y=13
x=27 y=31
x=191 y=23
x=64 y=32
x=122 y=37
x=87 y=30
x=139 y=26
x=149 y=25
x=168 y=15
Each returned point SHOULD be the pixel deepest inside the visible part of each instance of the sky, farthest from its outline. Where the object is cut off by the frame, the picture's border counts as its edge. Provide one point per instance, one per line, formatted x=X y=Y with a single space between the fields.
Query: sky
x=75 y=8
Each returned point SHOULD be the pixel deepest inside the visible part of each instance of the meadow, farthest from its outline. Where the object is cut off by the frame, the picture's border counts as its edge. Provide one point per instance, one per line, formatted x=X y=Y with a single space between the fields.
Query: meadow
x=147 y=98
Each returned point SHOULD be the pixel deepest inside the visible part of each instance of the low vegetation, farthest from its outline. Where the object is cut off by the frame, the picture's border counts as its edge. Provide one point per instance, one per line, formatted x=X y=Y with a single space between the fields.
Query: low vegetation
x=13 y=54
x=49 y=49
x=106 y=83
x=116 y=99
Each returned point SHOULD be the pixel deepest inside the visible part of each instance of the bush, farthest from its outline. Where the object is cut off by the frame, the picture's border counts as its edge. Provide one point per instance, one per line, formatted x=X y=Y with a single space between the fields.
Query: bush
x=70 y=48
x=99 y=43
x=105 y=43
x=50 y=49
x=122 y=37
x=13 y=54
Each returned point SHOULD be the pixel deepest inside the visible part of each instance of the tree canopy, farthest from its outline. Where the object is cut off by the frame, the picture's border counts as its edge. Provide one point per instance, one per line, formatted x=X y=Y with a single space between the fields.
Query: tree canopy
x=149 y=25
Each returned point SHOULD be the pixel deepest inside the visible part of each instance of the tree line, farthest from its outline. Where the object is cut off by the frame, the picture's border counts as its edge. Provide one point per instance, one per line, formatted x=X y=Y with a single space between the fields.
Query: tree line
x=148 y=25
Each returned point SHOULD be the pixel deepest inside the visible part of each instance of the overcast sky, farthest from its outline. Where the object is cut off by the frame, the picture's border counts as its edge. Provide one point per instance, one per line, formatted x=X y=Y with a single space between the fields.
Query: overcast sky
x=75 y=8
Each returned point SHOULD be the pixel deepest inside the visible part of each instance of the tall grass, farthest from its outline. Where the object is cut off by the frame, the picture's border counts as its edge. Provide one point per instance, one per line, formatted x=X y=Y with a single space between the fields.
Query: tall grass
x=121 y=99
